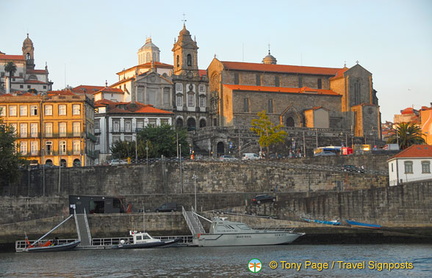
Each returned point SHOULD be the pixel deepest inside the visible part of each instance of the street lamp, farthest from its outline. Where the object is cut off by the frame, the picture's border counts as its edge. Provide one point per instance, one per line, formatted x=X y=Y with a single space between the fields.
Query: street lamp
x=194 y=177
x=147 y=149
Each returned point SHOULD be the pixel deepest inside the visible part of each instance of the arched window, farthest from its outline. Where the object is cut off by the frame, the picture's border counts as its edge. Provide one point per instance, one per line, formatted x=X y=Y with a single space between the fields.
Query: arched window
x=290 y=122
x=28 y=56
x=191 y=124
x=179 y=122
x=189 y=60
x=202 y=123
x=220 y=148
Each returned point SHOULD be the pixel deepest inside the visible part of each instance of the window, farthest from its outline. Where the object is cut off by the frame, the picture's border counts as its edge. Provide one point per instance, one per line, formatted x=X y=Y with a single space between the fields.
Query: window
x=76 y=147
x=189 y=60
x=178 y=61
x=166 y=96
x=3 y=110
x=408 y=167
x=76 y=109
x=62 y=129
x=245 y=105
x=23 y=110
x=76 y=128
x=34 y=130
x=319 y=83
x=48 y=129
x=202 y=89
x=12 y=111
x=62 y=109
x=191 y=99
x=62 y=147
x=34 y=147
x=23 y=147
x=152 y=122
x=300 y=82
x=179 y=100
x=14 y=128
x=277 y=81
x=140 y=124
x=128 y=126
x=23 y=130
x=33 y=110
x=236 y=78
x=48 y=110
x=97 y=124
x=258 y=79
x=21 y=86
x=116 y=125
x=202 y=101
x=270 y=106
x=49 y=148
x=425 y=167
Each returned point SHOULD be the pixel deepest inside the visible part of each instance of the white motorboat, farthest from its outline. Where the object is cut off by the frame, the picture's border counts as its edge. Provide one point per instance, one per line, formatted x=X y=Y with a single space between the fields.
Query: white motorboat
x=144 y=240
x=229 y=233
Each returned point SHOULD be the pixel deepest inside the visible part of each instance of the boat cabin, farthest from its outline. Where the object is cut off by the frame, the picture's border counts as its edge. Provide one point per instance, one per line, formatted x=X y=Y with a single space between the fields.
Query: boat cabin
x=221 y=225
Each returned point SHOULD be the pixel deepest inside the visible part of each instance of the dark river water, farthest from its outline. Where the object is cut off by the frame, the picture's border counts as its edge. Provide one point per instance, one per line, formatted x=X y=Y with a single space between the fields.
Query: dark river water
x=382 y=260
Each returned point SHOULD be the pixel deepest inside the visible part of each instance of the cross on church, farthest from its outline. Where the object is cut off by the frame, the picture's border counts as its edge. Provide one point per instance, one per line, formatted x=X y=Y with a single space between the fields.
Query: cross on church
x=184 y=19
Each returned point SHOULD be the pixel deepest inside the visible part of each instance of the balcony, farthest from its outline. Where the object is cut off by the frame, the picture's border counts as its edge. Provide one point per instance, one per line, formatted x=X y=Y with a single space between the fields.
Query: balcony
x=91 y=137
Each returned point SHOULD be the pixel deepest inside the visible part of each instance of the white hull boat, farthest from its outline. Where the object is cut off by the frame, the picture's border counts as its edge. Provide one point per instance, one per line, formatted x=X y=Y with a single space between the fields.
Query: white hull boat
x=230 y=233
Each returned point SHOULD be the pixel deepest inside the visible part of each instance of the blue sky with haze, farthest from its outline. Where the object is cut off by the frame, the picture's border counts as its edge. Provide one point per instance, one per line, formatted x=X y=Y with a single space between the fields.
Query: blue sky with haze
x=88 y=42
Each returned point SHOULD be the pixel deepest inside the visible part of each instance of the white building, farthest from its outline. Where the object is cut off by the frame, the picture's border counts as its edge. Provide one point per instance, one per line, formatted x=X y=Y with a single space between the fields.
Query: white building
x=411 y=164
x=26 y=76
x=115 y=121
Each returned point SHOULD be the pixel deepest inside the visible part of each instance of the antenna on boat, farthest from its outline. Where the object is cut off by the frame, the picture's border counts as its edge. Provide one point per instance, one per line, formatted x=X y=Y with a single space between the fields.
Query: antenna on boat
x=143 y=219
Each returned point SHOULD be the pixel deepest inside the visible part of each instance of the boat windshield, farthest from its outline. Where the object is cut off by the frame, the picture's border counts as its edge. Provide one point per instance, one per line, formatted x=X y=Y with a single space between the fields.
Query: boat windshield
x=243 y=227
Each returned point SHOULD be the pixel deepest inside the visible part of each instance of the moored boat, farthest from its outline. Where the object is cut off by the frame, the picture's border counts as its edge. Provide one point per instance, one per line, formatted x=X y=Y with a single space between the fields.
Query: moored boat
x=331 y=222
x=229 y=233
x=144 y=240
x=51 y=246
x=363 y=225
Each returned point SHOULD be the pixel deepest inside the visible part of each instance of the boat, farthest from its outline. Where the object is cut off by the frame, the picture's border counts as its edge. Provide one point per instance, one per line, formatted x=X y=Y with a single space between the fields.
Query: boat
x=229 y=233
x=51 y=246
x=363 y=225
x=331 y=222
x=48 y=245
x=144 y=240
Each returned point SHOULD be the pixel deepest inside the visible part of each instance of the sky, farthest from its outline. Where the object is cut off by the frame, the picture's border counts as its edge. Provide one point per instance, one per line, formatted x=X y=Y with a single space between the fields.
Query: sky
x=88 y=42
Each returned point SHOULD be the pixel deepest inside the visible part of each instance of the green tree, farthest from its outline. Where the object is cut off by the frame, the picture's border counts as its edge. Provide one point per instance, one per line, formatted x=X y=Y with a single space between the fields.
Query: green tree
x=269 y=134
x=407 y=134
x=11 y=68
x=9 y=159
x=161 y=140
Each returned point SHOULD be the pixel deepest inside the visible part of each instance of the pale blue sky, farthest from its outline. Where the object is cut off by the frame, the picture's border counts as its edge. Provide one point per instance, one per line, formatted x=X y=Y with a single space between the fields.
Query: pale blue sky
x=86 y=42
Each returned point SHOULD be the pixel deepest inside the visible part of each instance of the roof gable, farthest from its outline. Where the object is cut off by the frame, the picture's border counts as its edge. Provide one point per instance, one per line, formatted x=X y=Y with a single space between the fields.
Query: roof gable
x=415 y=151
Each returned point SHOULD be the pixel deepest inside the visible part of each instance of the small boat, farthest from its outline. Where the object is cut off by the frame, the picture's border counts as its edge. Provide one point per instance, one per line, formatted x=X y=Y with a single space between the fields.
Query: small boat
x=229 y=233
x=144 y=240
x=51 y=246
x=331 y=222
x=363 y=225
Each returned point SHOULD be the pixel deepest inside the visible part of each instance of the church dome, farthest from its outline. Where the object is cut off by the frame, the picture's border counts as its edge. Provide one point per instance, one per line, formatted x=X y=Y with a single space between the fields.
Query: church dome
x=149 y=45
x=27 y=41
x=269 y=59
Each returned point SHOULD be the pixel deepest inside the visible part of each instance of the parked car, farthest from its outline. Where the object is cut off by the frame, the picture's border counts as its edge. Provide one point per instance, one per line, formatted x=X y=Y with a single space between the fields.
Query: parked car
x=352 y=168
x=250 y=156
x=263 y=199
x=167 y=207
x=117 y=162
x=227 y=157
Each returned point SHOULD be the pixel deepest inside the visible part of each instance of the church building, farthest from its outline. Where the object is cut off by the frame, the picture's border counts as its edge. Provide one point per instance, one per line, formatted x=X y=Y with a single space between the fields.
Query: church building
x=26 y=77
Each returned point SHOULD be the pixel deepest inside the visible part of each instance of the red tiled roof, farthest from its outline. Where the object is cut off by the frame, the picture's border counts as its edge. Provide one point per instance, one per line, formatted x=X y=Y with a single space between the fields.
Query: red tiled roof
x=415 y=151
x=202 y=72
x=12 y=57
x=37 y=71
x=64 y=92
x=340 y=73
x=130 y=107
x=279 y=68
x=303 y=90
x=86 y=89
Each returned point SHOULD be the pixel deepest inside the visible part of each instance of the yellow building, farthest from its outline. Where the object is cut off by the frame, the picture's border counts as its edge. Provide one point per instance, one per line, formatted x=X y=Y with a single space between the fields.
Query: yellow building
x=54 y=129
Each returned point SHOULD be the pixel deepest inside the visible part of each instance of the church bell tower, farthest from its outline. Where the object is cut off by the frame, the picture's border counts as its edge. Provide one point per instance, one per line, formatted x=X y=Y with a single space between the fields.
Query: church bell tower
x=185 y=54
x=28 y=52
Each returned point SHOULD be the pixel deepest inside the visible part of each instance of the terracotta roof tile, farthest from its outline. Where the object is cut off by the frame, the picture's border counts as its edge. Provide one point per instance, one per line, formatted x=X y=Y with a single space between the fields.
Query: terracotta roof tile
x=415 y=151
x=12 y=57
x=304 y=90
x=279 y=68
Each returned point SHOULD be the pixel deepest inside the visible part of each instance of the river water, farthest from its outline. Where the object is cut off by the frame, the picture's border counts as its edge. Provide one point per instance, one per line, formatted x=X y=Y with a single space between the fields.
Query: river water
x=382 y=260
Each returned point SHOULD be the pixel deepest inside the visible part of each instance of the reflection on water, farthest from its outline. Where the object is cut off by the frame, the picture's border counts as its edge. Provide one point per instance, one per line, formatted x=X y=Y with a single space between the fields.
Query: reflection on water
x=219 y=261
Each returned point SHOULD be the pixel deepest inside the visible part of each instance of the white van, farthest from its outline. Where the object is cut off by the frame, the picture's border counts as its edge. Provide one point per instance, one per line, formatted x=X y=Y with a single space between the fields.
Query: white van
x=250 y=156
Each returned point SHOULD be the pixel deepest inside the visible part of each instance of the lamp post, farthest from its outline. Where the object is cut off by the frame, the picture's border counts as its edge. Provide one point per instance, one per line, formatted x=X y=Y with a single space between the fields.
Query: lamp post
x=194 y=177
x=147 y=149
x=181 y=171
x=136 y=148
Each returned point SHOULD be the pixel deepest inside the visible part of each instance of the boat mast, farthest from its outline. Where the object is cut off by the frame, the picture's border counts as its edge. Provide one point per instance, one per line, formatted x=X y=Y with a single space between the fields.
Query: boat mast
x=52 y=229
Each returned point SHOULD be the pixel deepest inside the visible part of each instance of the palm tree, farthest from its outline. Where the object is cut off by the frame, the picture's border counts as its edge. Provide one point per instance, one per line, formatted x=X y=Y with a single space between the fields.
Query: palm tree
x=11 y=68
x=407 y=134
